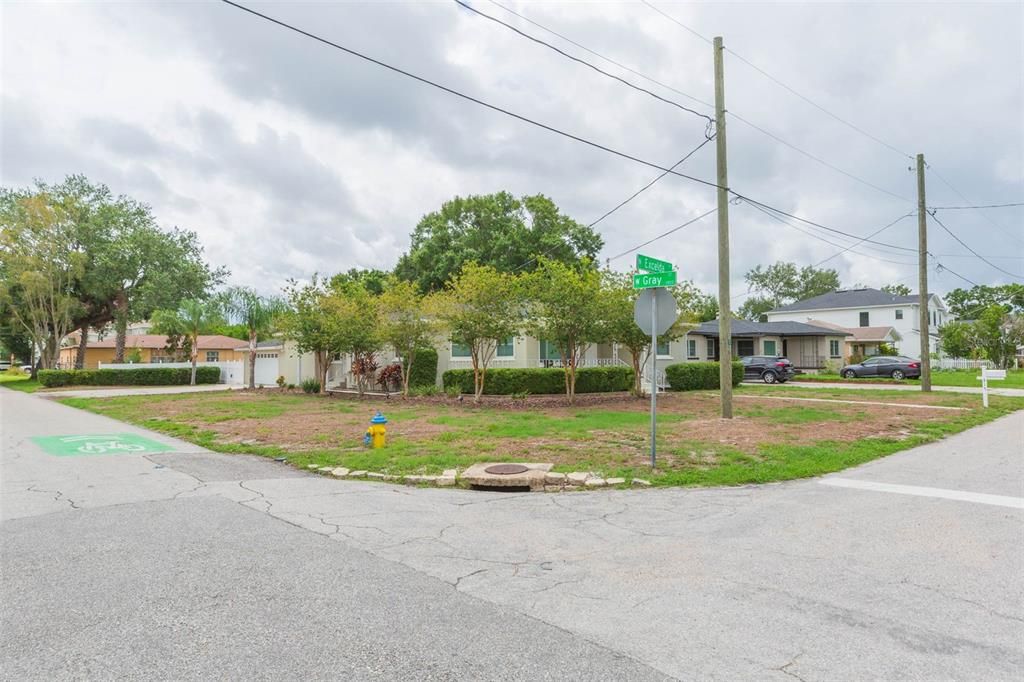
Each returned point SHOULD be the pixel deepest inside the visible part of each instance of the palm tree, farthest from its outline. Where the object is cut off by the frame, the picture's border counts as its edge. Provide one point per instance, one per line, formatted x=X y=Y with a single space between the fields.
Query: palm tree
x=192 y=318
x=257 y=313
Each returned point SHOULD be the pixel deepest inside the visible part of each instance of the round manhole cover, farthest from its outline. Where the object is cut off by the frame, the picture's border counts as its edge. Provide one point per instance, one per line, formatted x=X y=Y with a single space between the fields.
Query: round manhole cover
x=506 y=469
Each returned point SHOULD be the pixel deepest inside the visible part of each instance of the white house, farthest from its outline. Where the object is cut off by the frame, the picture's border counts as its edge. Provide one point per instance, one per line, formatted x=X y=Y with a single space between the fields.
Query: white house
x=855 y=308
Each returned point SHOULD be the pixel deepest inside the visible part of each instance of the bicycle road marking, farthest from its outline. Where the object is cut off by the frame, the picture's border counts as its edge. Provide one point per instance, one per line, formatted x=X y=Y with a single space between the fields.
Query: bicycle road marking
x=99 y=444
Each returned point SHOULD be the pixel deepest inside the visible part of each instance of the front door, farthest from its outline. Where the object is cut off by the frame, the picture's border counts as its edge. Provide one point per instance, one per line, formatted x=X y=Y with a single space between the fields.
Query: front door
x=785 y=348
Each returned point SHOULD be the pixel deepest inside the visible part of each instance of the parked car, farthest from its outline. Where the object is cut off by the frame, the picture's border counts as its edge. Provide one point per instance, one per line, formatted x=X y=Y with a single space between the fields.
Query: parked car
x=4 y=365
x=767 y=368
x=895 y=366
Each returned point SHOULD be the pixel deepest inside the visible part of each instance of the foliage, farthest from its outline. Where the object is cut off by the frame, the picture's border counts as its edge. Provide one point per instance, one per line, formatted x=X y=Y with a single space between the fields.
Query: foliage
x=887 y=349
x=424 y=390
x=310 y=386
x=311 y=325
x=999 y=334
x=495 y=230
x=356 y=315
x=257 y=314
x=374 y=281
x=281 y=381
x=897 y=289
x=958 y=339
x=478 y=307
x=390 y=377
x=364 y=368
x=406 y=325
x=234 y=331
x=782 y=283
x=143 y=376
x=192 y=318
x=133 y=355
x=967 y=304
x=424 y=372
x=541 y=380
x=755 y=306
x=696 y=376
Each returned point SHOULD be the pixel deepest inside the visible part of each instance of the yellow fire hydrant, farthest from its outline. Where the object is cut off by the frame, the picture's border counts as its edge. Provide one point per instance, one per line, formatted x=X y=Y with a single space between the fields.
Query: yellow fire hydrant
x=376 y=434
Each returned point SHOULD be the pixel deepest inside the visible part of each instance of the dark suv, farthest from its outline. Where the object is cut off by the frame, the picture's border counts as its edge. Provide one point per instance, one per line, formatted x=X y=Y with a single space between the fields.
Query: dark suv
x=767 y=368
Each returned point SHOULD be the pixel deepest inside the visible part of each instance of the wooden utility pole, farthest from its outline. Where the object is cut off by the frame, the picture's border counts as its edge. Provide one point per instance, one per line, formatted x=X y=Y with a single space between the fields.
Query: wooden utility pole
x=724 y=309
x=922 y=276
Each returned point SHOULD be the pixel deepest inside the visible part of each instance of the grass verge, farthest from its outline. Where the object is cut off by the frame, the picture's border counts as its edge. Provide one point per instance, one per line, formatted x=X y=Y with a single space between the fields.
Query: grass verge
x=19 y=382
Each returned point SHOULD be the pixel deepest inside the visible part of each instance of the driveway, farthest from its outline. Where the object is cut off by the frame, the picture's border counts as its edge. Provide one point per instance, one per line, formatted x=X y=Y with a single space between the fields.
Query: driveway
x=191 y=564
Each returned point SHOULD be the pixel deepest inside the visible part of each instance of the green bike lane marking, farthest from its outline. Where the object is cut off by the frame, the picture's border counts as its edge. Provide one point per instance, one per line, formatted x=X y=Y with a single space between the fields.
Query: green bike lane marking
x=99 y=444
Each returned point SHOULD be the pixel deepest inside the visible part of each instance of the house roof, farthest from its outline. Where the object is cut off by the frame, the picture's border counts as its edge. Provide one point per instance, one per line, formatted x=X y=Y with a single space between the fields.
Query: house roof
x=204 y=342
x=862 y=334
x=746 y=328
x=849 y=298
x=261 y=345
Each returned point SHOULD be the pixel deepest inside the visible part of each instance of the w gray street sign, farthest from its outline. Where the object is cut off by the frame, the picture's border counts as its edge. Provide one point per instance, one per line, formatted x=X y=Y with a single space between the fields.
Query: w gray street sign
x=665 y=309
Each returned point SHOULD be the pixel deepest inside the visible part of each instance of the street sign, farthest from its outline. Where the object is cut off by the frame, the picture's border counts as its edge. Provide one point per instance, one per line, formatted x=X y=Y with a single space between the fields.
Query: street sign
x=648 y=264
x=665 y=304
x=657 y=279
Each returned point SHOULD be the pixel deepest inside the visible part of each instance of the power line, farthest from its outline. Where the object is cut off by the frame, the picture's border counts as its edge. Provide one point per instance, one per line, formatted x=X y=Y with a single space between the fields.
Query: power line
x=942 y=268
x=783 y=85
x=663 y=234
x=466 y=97
x=964 y=244
x=873 y=234
x=984 y=215
x=586 y=63
x=965 y=208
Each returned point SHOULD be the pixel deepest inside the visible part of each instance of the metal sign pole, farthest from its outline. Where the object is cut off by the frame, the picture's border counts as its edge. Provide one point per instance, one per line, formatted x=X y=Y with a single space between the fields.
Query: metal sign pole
x=654 y=377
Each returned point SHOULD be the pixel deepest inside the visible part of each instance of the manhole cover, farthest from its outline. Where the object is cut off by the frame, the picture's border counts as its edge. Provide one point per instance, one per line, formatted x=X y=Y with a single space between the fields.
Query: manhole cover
x=506 y=469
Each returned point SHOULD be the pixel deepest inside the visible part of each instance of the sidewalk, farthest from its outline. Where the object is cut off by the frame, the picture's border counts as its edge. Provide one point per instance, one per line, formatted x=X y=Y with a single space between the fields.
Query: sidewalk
x=114 y=392
x=1008 y=392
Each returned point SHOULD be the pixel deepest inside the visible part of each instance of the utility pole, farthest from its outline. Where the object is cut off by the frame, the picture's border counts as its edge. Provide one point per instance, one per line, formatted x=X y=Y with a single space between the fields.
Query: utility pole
x=724 y=311
x=922 y=276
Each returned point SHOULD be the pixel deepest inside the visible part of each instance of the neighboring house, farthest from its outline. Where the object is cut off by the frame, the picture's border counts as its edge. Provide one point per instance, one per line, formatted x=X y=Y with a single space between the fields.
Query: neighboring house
x=807 y=346
x=277 y=358
x=863 y=308
x=152 y=348
x=863 y=341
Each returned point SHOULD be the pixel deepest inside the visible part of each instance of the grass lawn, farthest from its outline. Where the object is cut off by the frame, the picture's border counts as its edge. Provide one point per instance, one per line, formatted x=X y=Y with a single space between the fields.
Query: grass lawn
x=19 y=382
x=768 y=440
x=959 y=377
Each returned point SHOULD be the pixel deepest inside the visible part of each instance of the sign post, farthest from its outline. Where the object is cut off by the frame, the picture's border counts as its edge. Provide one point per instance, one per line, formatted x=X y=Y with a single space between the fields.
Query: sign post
x=987 y=374
x=654 y=312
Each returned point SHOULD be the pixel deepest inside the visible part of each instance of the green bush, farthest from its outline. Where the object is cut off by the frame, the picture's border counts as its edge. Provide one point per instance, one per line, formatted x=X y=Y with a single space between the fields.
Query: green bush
x=541 y=380
x=142 y=376
x=695 y=376
x=424 y=390
x=424 y=369
x=310 y=386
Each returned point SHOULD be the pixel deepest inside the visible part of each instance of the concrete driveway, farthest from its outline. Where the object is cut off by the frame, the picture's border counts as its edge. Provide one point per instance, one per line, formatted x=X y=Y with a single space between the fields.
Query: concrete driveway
x=191 y=564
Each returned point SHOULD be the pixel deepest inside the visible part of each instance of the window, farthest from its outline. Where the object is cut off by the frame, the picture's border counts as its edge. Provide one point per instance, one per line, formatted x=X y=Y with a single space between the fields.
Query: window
x=711 y=349
x=833 y=348
x=744 y=347
x=864 y=320
x=899 y=314
x=460 y=350
x=663 y=348
x=549 y=351
x=691 y=348
x=213 y=356
x=506 y=348
x=769 y=347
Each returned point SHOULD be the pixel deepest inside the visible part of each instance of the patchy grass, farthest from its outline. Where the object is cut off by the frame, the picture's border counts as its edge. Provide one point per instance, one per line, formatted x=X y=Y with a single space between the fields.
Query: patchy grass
x=19 y=382
x=769 y=440
x=945 y=377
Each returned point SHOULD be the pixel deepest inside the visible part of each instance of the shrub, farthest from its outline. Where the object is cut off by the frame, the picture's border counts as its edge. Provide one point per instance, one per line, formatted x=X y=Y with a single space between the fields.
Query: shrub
x=281 y=381
x=424 y=390
x=390 y=377
x=310 y=386
x=695 y=376
x=142 y=376
x=424 y=369
x=540 y=381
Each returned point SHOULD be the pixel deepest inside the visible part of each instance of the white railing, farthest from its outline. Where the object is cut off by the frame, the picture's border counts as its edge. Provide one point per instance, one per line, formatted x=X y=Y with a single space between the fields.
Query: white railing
x=583 y=362
x=960 y=363
x=231 y=372
x=466 y=363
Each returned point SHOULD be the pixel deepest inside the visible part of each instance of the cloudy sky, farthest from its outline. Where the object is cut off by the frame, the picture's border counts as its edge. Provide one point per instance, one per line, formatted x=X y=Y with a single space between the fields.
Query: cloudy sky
x=290 y=157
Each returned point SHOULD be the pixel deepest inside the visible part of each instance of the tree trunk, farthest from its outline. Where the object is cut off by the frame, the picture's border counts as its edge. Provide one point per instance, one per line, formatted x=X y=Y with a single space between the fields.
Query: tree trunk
x=406 y=369
x=252 y=359
x=82 y=343
x=325 y=365
x=195 y=359
x=121 y=325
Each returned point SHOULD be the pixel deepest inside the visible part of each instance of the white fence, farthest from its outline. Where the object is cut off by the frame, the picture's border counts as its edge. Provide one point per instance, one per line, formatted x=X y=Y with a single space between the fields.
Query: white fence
x=230 y=372
x=960 y=363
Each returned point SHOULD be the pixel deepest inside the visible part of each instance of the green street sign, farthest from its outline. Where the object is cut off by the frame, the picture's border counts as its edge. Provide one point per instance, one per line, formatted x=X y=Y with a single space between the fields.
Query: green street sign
x=648 y=264
x=106 y=444
x=657 y=279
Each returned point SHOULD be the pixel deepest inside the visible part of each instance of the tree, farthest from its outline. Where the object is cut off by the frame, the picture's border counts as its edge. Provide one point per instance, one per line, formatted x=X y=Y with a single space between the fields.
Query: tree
x=999 y=334
x=897 y=289
x=966 y=304
x=756 y=306
x=356 y=317
x=479 y=307
x=309 y=323
x=257 y=314
x=783 y=282
x=957 y=339
x=374 y=281
x=405 y=323
x=191 y=319
x=565 y=307
x=497 y=230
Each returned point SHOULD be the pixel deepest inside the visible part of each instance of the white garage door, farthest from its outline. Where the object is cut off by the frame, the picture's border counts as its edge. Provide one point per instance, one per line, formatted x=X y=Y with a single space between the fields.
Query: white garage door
x=266 y=369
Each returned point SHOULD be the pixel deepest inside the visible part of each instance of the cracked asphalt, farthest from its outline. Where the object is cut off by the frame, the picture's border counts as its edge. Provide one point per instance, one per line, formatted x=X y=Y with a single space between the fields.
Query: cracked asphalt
x=190 y=564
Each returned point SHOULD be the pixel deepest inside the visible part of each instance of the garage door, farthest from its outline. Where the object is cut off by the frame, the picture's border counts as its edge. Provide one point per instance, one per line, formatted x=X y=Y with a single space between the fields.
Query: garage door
x=266 y=369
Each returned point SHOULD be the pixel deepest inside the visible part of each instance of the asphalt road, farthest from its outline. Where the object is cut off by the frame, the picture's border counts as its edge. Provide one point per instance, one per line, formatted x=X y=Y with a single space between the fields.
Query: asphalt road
x=188 y=564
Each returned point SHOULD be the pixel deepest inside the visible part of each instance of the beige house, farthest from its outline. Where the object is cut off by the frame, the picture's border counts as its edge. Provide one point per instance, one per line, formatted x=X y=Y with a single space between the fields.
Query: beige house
x=863 y=341
x=148 y=348
x=807 y=346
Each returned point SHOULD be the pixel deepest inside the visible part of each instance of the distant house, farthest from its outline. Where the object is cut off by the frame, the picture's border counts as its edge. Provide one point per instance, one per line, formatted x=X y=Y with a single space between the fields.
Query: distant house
x=863 y=341
x=151 y=348
x=866 y=308
x=807 y=346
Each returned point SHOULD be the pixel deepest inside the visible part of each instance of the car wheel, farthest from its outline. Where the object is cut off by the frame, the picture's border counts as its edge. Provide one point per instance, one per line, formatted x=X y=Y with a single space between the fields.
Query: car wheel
x=769 y=377
x=849 y=374
x=897 y=374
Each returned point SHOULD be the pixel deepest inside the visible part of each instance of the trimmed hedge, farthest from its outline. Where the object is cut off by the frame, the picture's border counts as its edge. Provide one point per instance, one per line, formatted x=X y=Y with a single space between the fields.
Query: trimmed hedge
x=696 y=376
x=542 y=380
x=424 y=369
x=143 y=376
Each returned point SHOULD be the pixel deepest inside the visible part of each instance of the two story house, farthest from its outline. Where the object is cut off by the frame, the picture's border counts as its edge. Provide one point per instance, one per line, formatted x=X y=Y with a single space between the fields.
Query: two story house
x=874 y=310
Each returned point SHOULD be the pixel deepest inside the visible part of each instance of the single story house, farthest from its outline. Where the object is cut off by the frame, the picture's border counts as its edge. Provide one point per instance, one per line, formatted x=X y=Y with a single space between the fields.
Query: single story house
x=863 y=341
x=807 y=346
x=152 y=348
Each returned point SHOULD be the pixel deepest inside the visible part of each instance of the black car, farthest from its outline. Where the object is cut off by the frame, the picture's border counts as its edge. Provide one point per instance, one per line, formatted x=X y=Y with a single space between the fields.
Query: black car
x=895 y=366
x=768 y=368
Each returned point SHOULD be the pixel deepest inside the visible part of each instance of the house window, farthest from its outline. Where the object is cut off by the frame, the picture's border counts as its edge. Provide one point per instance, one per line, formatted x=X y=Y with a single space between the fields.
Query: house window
x=744 y=347
x=506 y=348
x=864 y=320
x=769 y=347
x=711 y=349
x=691 y=348
x=899 y=314
x=213 y=356
x=460 y=350
x=833 y=348
x=663 y=349
x=549 y=351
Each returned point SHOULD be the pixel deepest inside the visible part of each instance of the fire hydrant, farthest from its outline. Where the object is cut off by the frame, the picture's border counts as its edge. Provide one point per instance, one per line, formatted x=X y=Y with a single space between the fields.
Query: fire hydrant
x=375 y=435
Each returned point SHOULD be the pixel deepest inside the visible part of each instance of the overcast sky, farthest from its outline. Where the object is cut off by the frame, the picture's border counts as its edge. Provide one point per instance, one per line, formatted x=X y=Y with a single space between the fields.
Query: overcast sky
x=288 y=157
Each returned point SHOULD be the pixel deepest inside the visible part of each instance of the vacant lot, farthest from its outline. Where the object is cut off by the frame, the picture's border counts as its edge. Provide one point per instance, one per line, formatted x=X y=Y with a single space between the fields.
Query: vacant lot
x=771 y=438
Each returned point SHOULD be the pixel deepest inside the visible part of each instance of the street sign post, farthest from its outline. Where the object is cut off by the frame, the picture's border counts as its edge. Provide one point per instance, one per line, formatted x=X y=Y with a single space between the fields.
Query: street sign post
x=655 y=312
x=986 y=376
x=648 y=264
x=654 y=279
